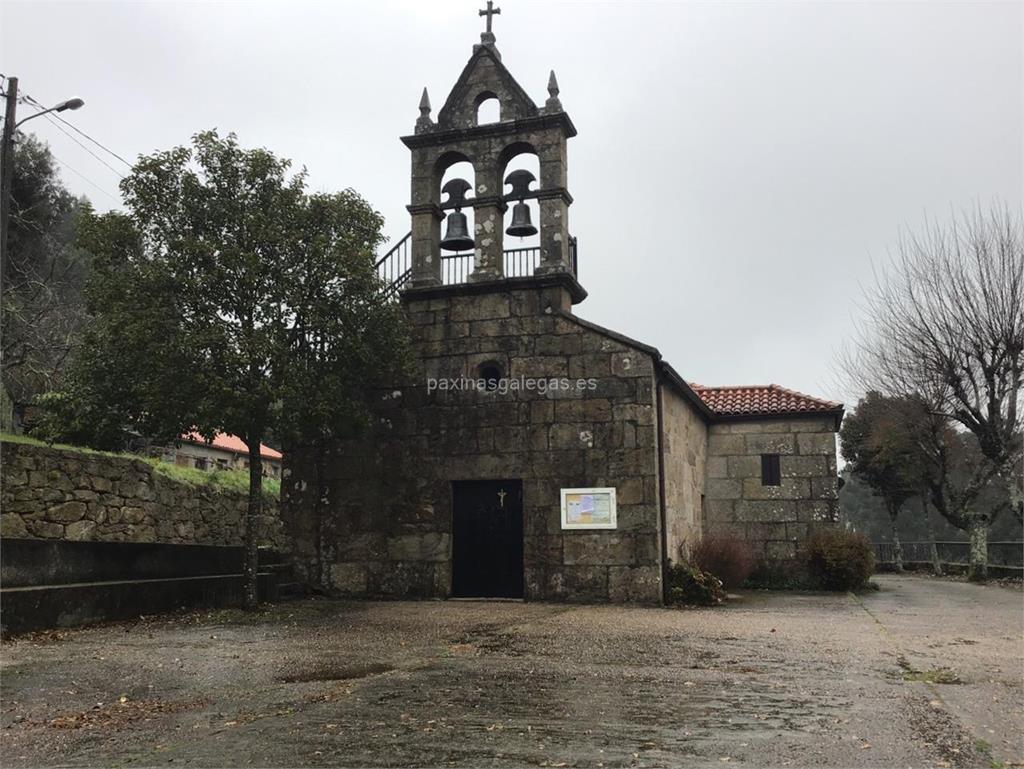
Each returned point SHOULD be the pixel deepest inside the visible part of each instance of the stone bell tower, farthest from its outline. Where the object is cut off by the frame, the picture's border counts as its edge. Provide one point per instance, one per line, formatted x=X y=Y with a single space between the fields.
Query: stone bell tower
x=455 y=137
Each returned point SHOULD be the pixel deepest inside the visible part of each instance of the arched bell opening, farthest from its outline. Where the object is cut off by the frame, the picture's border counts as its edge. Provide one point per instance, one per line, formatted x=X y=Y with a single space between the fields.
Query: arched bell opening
x=451 y=165
x=488 y=108
x=456 y=198
x=520 y=175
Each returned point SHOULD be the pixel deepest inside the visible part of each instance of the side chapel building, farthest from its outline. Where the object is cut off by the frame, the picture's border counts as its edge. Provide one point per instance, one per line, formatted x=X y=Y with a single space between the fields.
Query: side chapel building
x=462 y=492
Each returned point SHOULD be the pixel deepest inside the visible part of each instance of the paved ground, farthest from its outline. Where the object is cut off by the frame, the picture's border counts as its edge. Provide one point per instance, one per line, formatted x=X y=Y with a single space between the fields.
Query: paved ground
x=775 y=679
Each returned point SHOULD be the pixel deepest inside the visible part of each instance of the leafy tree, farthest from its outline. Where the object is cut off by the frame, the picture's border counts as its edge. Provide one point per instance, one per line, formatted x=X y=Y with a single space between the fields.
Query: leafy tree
x=881 y=439
x=43 y=303
x=230 y=299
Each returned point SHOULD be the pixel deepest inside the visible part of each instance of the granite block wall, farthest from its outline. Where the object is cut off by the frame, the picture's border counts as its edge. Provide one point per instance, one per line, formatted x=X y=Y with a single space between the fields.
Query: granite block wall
x=773 y=519
x=378 y=521
x=685 y=436
x=63 y=494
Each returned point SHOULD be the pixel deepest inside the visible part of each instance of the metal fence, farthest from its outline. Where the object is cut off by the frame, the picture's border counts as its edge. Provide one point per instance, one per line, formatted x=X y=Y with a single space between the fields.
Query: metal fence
x=1010 y=554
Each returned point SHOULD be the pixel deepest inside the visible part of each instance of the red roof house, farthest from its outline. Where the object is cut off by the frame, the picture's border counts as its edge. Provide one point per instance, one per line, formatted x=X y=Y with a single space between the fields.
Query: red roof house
x=224 y=452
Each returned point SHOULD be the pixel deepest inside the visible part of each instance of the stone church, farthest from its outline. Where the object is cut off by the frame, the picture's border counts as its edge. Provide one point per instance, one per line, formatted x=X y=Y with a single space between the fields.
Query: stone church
x=536 y=454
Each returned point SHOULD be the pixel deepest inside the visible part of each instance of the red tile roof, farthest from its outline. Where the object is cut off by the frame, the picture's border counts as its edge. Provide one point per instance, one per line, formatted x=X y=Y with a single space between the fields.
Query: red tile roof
x=230 y=443
x=761 y=400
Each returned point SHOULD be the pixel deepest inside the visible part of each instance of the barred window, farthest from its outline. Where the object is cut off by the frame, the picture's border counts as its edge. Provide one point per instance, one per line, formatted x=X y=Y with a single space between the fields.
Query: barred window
x=770 y=473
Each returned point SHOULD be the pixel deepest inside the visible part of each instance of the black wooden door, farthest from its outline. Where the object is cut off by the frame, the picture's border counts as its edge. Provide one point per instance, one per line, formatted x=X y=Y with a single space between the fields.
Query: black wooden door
x=487 y=539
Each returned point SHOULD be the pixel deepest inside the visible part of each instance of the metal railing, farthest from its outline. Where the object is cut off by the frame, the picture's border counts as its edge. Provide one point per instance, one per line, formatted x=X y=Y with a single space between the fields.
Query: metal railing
x=952 y=553
x=395 y=267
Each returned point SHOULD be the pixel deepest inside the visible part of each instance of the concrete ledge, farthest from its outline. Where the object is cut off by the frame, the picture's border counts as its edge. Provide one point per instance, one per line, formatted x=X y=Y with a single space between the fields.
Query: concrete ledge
x=557 y=280
x=36 y=562
x=994 y=569
x=50 y=606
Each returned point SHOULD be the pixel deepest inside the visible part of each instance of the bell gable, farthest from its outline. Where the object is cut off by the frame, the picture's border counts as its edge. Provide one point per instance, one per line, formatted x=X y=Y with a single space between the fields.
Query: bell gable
x=484 y=77
x=521 y=128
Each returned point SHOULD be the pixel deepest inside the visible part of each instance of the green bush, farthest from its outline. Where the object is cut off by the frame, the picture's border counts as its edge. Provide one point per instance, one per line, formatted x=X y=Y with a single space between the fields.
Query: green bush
x=689 y=585
x=838 y=559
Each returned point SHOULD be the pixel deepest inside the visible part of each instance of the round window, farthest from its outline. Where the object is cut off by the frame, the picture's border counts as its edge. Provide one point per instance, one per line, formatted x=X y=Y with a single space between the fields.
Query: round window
x=491 y=373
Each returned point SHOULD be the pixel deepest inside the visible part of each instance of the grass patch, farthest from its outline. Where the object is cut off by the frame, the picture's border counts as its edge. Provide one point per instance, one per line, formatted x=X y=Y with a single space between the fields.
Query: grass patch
x=985 y=749
x=13 y=438
x=225 y=480
x=940 y=676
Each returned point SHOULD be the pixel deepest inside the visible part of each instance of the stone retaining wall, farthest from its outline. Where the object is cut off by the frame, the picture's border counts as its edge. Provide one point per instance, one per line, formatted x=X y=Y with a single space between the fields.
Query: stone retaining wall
x=49 y=493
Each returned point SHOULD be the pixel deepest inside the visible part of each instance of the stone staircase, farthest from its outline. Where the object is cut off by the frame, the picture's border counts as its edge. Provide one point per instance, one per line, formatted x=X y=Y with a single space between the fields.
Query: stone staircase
x=280 y=577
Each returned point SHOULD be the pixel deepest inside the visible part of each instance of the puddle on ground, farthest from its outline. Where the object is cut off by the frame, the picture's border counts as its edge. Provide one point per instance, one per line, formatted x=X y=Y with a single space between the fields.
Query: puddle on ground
x=330 y=672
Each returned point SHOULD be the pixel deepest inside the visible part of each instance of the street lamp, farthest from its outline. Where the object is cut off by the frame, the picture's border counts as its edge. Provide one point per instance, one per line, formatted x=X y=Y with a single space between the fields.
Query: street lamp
x=74 y=103
x=7 y=157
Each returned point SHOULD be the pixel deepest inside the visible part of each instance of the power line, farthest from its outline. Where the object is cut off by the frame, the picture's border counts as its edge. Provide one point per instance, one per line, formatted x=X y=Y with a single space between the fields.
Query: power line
x=32 y=102
x=83 y=133
x=75 y=128
x=86 y=178
x=104 y=162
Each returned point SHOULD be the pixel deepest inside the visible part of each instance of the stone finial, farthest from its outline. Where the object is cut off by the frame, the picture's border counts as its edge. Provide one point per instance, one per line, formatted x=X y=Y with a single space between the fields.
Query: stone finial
x=423 y=122
x=552 y=104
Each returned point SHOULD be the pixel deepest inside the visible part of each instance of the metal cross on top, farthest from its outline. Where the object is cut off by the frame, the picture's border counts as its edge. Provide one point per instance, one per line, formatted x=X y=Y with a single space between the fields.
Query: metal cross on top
x=490 y=13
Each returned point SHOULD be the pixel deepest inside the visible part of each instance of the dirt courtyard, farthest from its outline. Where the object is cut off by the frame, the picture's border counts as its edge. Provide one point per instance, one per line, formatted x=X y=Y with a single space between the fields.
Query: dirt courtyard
x=921 y=673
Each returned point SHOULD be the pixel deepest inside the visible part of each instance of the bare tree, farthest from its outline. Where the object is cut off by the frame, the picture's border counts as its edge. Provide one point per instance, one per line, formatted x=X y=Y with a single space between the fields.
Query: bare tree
x=945 y=322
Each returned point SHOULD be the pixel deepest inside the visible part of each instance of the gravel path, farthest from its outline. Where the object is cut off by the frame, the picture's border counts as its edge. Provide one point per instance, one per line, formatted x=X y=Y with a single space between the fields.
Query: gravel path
x=921 y=673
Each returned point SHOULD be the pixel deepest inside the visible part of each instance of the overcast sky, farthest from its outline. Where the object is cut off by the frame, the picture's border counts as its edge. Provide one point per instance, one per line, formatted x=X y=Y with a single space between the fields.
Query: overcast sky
x=738 y=166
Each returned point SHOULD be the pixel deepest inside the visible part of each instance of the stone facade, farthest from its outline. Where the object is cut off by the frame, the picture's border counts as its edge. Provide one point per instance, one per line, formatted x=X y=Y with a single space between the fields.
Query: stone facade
x=774 y=519
x=389 y=494
x=50 y=493
x=374 y=518
x=373 y=515
x=685 y=438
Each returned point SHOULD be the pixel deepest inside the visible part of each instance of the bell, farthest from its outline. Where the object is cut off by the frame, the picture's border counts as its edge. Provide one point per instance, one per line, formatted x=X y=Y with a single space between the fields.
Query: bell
x=521 y=224
x=456 y=238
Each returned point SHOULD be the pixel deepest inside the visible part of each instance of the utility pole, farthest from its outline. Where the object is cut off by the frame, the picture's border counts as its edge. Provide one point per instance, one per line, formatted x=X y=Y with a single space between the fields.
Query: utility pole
x=7 y=158
x=7 y=170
